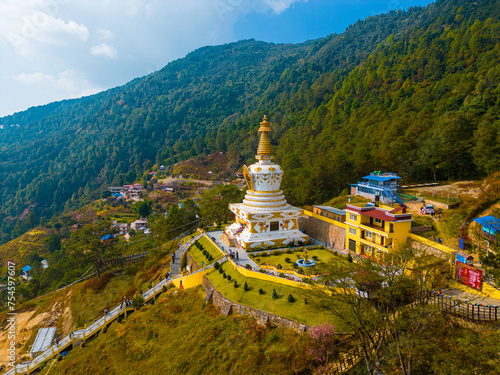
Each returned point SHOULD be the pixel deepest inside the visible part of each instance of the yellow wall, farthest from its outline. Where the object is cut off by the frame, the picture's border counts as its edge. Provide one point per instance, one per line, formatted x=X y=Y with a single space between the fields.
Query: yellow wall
x=263 y=276
x=325 y=219
x=191 y=280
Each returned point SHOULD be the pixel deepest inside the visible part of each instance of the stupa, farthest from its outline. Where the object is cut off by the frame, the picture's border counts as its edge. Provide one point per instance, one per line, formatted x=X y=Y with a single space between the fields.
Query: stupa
x=264 y=218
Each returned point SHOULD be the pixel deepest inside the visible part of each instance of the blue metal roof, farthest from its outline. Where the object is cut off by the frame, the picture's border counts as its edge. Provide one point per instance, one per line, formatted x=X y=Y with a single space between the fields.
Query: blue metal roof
x=26 y=268
x=381 y=178
x=490 y=222
x=107 y=237
x=331 y=209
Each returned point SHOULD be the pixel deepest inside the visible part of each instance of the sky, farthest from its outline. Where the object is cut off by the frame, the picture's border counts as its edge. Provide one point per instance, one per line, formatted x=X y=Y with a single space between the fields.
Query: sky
x=59 y=49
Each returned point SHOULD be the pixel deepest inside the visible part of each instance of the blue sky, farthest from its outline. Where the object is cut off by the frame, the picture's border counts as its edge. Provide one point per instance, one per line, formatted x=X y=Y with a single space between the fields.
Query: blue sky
x=59 y=49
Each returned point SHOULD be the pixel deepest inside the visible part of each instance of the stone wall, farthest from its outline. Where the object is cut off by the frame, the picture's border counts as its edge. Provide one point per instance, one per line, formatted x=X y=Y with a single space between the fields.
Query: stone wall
x=320 y=230
x=227 y=307
x=428 y=249
x=424 y=228
x=444 y=206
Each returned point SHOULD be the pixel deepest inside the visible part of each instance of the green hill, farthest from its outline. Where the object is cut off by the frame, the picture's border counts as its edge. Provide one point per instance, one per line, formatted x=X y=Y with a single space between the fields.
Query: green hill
x=414 y=92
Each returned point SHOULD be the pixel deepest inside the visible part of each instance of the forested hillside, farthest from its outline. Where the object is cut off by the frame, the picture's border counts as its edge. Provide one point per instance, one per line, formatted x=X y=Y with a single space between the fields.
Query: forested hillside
x=413 y=92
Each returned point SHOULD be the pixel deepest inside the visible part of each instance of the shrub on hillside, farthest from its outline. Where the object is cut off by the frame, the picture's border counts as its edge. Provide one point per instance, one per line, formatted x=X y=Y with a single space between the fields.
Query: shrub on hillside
x=138 y=301
x=98 y=283
x=291 y=298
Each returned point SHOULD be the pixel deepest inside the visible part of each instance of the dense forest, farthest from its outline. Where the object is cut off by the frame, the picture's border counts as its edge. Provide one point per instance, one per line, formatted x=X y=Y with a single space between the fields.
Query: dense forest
x=414 y=92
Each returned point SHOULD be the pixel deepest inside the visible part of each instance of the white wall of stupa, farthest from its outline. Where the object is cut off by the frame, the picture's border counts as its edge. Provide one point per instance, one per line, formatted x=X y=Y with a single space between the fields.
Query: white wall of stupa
x=264 y=218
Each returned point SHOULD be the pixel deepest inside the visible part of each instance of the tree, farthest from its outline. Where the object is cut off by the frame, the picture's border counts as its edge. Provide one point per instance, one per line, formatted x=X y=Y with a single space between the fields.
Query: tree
x=105 y=194
x=31 y=220
x=214 y=204
x=383 y=305
x=143 y=208
x=89 y=246
x=53 y=242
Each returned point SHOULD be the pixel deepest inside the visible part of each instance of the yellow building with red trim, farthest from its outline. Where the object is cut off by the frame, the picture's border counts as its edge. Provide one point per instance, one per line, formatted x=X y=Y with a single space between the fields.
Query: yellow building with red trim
x=374 y=229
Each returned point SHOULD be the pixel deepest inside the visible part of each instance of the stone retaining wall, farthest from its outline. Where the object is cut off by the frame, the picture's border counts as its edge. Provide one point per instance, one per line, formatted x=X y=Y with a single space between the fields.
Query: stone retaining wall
x=331 y=234
x=428 y=249
x=227 y=307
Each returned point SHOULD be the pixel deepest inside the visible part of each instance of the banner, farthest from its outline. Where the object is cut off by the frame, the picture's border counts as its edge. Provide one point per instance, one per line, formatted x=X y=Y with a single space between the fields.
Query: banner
x=468 y=275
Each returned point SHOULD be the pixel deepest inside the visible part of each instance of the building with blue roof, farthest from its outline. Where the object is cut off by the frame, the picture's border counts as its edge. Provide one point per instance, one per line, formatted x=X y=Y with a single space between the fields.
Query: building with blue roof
x=379 y=186
x=490 y=226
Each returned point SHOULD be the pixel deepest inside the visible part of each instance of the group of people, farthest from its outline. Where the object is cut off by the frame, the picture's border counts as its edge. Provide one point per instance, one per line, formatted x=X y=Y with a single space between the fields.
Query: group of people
x=126 y=302
x=233 y=255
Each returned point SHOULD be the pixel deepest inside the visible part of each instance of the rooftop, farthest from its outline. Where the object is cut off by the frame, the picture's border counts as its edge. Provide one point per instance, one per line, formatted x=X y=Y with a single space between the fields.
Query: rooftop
x=333 y=210
x=490 y=222
x=382 y=212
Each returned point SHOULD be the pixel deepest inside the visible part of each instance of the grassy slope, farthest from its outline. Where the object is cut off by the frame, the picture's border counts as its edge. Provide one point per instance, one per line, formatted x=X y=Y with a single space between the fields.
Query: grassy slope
x=198 y=256
x=323 y=257
x=298 y=310
x=180 y=335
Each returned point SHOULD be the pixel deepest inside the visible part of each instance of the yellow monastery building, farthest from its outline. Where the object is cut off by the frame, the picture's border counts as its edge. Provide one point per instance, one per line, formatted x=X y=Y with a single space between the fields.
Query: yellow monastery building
x=374 y=229
x=264 y=218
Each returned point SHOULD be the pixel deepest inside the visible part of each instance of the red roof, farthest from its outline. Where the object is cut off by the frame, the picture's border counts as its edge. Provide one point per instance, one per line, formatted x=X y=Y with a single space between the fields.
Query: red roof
x=379 y=214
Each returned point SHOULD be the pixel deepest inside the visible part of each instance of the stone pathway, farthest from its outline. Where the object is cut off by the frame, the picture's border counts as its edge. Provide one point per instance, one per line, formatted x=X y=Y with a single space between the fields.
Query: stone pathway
x=175 y=266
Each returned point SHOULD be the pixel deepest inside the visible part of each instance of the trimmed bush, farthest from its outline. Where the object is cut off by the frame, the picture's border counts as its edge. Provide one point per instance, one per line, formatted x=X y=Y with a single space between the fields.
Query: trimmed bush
x=274 y=252
x=275 y=295
x=335 y=254
x=288 y=251
x=138 y=301
x=221 y=271
x=287 y=260
x=291 y=298
x=216 y=265
x=281 y=274
x=228 y=277
x=261 y=291
x=263 y=254
x=246 y=288
x=315 y=257
x=224 y=275
x=306 y=301
x=236 y=284
x=248 y=266
x=349 y=258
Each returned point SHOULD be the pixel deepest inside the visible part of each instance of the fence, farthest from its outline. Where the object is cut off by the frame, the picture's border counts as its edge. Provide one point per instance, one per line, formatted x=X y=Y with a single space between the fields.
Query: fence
x=475 y=312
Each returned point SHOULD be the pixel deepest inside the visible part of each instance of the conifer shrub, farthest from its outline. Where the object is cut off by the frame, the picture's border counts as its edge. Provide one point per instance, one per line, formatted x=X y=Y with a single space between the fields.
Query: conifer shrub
x=221 y=271
x=291 y=298
x=246 y=288
x=275 y=295
x=228 y=277
x=236 y=284
x=224 y=275
x=216 y=265
x=261 y=291
x=306 y=301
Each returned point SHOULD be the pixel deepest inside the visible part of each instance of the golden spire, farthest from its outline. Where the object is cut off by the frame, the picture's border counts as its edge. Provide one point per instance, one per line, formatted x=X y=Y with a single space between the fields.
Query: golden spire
x=264 y=152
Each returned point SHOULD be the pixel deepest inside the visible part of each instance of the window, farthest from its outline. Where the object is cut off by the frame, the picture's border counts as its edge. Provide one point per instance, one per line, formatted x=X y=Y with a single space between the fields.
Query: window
x=353 y=217
x=352 y=230
x=274 y=225
x=378 y=221
x=352 y=245
x=368 y=234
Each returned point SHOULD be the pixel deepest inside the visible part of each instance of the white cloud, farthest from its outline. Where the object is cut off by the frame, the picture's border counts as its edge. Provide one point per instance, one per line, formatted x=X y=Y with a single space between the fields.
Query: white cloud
x=104 y=34
x=54 y=37
x=104 y=50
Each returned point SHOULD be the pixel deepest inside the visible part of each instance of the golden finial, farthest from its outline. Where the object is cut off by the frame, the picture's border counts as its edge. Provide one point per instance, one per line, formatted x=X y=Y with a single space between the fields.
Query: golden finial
x=264 y=152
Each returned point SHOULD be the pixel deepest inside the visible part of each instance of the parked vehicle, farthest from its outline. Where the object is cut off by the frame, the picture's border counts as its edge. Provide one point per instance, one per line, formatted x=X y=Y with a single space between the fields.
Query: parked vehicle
x=429 y=209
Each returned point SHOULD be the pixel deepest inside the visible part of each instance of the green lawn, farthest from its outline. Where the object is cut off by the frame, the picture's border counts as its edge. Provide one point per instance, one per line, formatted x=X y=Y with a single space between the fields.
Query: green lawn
x=324 y=256
x=198 y=255
x=298 y=310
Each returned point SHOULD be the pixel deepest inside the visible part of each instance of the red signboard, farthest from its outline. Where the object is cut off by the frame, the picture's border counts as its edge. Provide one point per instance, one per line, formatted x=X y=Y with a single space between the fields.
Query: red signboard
x=468 y=275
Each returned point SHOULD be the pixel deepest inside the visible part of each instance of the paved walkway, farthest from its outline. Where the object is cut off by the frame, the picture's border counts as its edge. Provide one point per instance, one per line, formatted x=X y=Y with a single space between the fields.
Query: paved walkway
x=175 y=266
